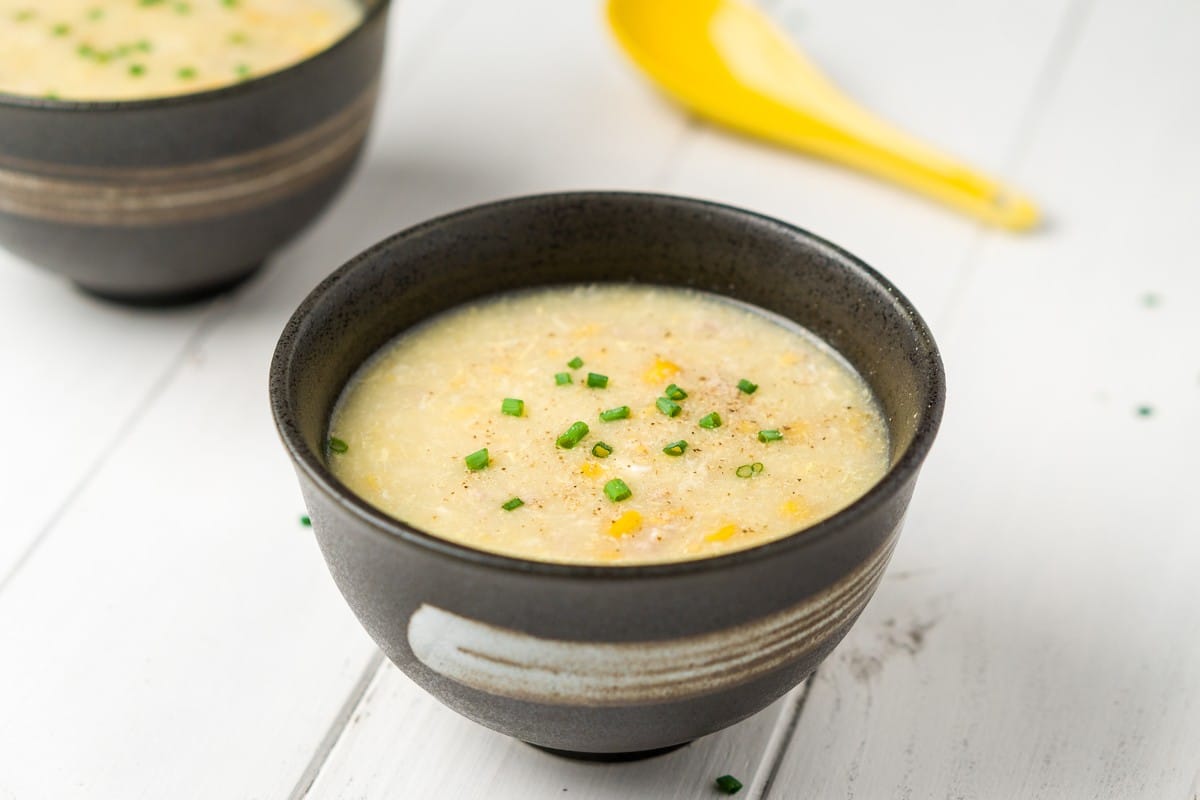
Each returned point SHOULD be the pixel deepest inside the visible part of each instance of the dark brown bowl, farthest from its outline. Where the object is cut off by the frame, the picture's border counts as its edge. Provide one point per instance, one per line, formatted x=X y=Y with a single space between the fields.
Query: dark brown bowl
x=605 y=659
x=170 y=199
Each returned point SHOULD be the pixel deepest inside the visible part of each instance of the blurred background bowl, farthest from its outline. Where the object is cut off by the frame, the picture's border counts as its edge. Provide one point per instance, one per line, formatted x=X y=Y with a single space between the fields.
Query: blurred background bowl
x=171 y=199
x=605 y=660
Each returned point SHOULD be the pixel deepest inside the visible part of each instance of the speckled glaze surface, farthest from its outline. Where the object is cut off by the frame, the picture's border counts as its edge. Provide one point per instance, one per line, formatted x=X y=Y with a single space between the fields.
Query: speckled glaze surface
x=171 y=199
x=604 y=660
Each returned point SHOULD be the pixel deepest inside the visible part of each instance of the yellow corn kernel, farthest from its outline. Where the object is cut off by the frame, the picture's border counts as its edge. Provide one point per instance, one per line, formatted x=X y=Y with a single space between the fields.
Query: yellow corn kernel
x=722 y=534
x=627 y=523
x=794 y=507
x=465 y=411
x=789 y=359
x=747 y=426
x=591 y=469
x=660 y=371
x=372 y=482
x=586 y=331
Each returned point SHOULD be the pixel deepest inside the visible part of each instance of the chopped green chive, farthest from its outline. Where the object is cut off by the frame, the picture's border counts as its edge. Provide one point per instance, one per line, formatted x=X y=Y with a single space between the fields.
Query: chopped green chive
x=143 y=45
x=620 y=412
x=675 y=393
x=61 y=29
x=336 y=445
x=1145 y=411
x=769 y=436
x=744 y=471
x=572 y=435
x=675 y=448
x=710 y=421
x=24 y=15
x=230 y=3
x=182 y=8
x=597 y=381
x=729 y=784
x=617 y=490
x=747 y=387
x=95 y=13
x=602 y=450
x=478 y=460
x=562 y=378
x=756 y=467
x=242 y=71
x=137 y=70
x=668 y=406
x=186 y=73
x=516 y=502
x=575 y=363
x=513 y=407
x=305 y=521
x=238 y=37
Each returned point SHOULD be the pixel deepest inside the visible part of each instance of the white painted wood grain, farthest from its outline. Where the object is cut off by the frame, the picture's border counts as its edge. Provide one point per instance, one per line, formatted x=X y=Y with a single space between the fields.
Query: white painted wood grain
x=1037 y=637
x=74 y=372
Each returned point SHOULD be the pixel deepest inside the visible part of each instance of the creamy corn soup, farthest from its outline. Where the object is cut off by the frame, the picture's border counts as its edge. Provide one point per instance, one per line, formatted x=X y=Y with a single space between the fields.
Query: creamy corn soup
x=131 y=49
x=612 y=425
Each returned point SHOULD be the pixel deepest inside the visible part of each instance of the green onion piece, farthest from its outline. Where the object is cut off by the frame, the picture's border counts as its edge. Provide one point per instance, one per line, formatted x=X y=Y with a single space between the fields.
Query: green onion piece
x=769 y=436
x=747 y=387
x=710 y=421
x=602 y=450
x=597 y=381
x=336 y=445
x=729 y=784
x=513 y=407
x=242 y=71
x=478 y=460
x=186 y=73
x=562 y=378
x=575 y=363
x=305 y=521
x=617 y=490
x=744 y=471
x=675 y=393
x=137 y=70
x=516 y=502
x=668 y=406
x=675 y=448
x=95 y=13
x=756 y=467
x=620 y=412
x=572 y=435
x=61 y=29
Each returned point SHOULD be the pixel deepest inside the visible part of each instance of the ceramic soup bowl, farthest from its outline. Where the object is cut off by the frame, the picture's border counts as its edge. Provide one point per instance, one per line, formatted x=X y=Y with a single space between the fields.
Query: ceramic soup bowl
x=171 y=199
x=605 y=660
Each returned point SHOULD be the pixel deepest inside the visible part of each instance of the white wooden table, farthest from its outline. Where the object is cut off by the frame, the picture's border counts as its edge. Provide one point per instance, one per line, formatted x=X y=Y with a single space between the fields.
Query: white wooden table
x=168 y=629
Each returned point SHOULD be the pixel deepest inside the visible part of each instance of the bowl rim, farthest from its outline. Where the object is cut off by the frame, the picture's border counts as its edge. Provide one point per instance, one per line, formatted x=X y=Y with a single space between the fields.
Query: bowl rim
x=24 y=101
x=394 y=530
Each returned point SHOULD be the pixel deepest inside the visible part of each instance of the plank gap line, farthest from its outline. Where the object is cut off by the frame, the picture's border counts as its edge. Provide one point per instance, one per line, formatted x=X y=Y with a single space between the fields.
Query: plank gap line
x=781 y=737
x=337 y=727
x=1062 y=48
x=219 y=310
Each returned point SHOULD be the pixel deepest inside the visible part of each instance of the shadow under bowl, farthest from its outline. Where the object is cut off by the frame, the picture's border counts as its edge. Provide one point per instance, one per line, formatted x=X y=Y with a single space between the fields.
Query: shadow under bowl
x=172 y=199
x=605 y=659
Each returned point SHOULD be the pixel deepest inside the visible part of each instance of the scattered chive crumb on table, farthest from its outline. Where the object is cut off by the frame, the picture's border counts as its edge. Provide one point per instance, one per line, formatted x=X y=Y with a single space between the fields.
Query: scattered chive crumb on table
x=718 y=442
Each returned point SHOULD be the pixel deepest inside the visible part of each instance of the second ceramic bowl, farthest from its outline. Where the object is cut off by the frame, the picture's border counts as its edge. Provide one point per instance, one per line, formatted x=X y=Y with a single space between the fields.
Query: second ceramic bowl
x=171 y=199
x=603 y=660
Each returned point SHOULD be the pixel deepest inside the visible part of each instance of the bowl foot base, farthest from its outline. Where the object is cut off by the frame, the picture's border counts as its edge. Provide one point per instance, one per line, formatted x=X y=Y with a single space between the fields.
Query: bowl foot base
x=636 y=755
x=171 y=297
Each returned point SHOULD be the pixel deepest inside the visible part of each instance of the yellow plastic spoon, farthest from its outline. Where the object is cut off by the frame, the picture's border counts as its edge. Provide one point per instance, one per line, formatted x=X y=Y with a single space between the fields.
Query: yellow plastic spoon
x=726 y=61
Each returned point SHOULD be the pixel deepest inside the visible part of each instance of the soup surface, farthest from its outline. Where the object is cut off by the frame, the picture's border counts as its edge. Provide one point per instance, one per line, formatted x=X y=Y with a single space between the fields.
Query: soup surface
x=133 y=49
x=710 y=427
